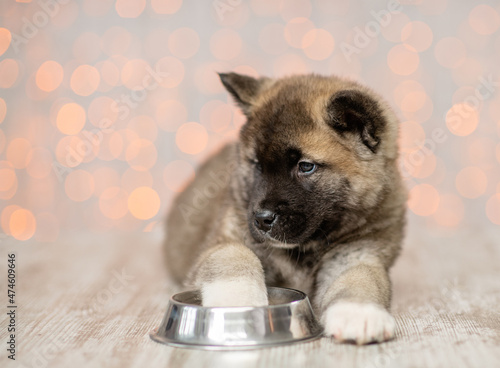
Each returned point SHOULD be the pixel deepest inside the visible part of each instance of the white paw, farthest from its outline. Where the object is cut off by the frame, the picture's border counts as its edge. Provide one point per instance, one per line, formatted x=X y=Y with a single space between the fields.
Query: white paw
x=358 y=323
x=234 y=293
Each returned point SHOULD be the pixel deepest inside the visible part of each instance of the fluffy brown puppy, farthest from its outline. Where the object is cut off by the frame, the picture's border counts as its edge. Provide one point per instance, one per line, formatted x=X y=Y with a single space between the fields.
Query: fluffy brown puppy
x=310 y=198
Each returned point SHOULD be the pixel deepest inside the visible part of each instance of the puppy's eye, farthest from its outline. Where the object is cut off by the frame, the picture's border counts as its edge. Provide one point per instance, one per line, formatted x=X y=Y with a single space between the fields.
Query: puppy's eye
x=306 y=167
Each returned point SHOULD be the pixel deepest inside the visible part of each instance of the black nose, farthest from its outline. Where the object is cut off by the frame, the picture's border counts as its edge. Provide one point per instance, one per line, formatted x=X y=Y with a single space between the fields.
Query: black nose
x=264 y=219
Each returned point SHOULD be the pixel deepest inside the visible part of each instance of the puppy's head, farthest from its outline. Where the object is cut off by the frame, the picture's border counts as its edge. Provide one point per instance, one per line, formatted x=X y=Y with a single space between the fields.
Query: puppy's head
x=316 y=154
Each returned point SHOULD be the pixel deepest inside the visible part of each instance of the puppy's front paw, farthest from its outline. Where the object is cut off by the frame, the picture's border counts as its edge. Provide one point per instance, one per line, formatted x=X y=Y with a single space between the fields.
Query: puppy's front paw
x=234 y=293
x=358 y=323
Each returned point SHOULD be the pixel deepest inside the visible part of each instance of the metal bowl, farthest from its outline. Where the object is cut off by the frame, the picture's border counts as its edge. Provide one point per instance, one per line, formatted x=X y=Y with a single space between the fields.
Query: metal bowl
x=288 y=319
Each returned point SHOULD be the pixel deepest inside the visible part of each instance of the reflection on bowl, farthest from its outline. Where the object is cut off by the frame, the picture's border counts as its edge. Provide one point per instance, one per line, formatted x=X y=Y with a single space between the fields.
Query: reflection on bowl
x=288 y=319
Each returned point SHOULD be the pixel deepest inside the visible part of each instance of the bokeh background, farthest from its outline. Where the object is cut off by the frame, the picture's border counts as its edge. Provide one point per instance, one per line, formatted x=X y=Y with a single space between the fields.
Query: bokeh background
x=108 y=106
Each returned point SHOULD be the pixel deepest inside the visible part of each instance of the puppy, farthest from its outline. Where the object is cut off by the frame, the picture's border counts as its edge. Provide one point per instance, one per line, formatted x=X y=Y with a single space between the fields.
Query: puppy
x=309 y=197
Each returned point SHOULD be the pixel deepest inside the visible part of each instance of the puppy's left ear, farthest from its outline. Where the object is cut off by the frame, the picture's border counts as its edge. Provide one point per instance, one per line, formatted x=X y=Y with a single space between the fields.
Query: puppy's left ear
x=352 y=111
x=243 y=88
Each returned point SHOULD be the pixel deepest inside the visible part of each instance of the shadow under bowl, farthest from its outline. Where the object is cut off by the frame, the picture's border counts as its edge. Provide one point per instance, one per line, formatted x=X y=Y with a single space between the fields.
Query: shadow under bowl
x=287 y=319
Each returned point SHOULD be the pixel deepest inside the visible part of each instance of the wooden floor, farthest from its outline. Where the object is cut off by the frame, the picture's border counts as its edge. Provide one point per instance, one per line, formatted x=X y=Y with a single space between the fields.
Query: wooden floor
x=92 y=300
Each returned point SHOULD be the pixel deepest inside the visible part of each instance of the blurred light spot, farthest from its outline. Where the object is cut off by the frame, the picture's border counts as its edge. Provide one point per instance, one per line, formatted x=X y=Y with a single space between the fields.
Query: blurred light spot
x=450 y=211
x=191 y=138
x=115 y=41
x=8 y=179
x=413 y=101
x=462 y=119
x=71 y=118
x=412 y=136
x=493 y=209
x=318 y=44
x=296 y=29
x=425 y=167
x=109 y=72
x=170 y=115
x=184 y=43
x=40 y=163
x=33 y=92
x=141 y=154
x=393 y=25
x=113 y=203
x=49 y=76
x=144 y=126
x=111 y=146
x=79 y=185
x=70 y=151
x=169 y=72
x=85 y=80
x=3 y=110
x=102 y=112
x=97 y=8
x=132 y=179
x=130 y=8
x=9 y=70
x=450 y=52
x=471 y=182
x=85 y=48
x=104 y=177
x=123 y=137
x=166 y=6
x=423 y=199
x=47 y=227
x=177 y=174
x=484 y=19
x=18 y=152
x=22 y=224
x=225 y=44
x=216 y=115
x=417 y=35
x=90 y=144
x=295 y=8
x=135 y=74
x=144 y=203
x=5 y=217
x=5 y=38
x=402 y=60
x=272 y=40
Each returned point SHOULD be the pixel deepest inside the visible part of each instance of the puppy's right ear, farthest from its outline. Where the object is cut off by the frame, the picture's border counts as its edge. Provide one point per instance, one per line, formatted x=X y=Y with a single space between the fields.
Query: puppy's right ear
x=244 y=89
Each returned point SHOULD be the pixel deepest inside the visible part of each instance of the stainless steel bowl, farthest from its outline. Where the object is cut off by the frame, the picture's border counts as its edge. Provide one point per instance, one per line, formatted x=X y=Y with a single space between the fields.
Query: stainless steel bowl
x=288 y=319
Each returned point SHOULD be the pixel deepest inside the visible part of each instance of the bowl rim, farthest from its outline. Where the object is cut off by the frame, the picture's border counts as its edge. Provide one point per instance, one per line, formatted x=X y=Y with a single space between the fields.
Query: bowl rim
x=303 y=297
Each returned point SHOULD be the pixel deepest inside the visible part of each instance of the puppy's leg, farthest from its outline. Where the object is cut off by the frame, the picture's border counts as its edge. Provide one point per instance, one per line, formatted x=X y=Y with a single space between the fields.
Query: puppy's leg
x=230 y=275
x=354 y=296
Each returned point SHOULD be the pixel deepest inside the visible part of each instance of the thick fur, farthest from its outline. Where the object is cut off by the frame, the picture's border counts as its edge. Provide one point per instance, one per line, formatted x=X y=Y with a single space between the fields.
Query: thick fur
x=335 y=231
